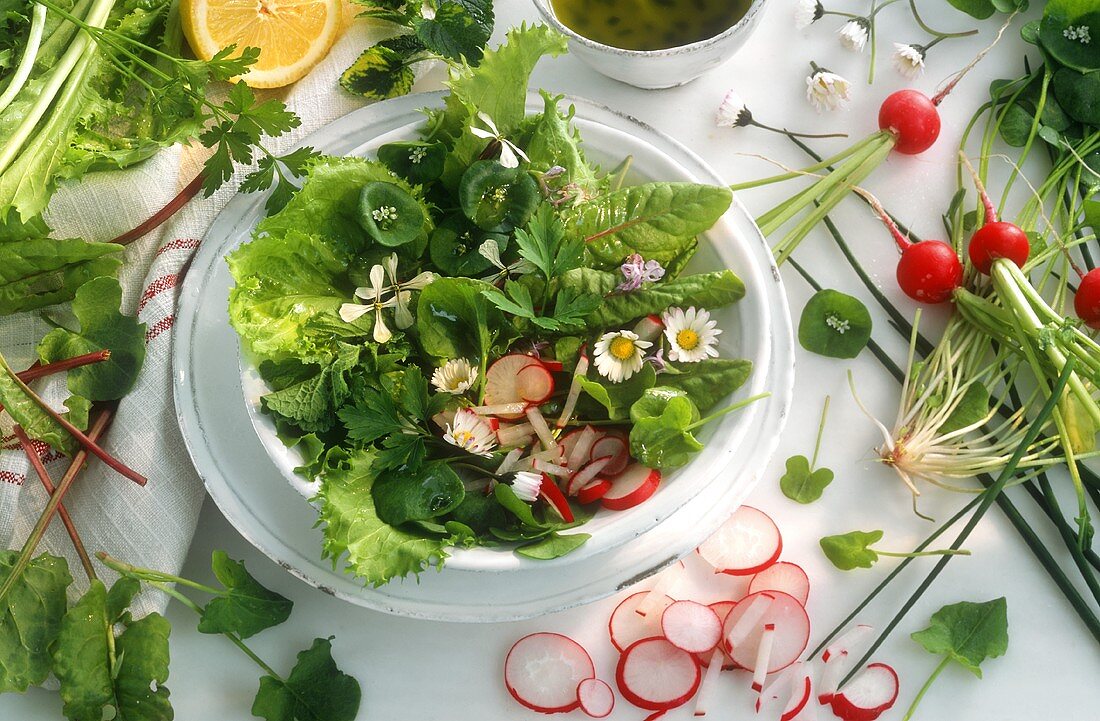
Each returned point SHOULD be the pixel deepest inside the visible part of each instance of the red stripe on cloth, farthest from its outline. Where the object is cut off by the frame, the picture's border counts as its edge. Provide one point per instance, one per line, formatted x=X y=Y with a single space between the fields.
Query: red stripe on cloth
x=159 y=327
x=16 y=479
x=158 y=286
x=177 y=244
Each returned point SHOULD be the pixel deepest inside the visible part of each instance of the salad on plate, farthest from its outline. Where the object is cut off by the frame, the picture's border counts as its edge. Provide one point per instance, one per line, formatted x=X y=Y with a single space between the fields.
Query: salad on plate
x=478 y=338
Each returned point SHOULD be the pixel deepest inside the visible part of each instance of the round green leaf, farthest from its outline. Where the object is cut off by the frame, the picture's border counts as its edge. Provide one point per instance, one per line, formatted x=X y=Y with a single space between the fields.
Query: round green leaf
x=435 y=490
x=834 y=324
x=1066 y=32
x=416 y=162
x=454 y=247
x=497 y=198
x=389 y=214
x=1079 y=93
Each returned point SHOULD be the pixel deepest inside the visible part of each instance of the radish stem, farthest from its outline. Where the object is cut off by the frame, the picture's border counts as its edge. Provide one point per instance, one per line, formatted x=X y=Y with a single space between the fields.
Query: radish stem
x=171 y=208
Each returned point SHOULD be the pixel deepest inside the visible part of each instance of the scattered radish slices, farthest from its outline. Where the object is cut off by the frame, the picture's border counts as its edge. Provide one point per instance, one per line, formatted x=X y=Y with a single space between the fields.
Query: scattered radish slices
x=656 y=675
x=747 y=543
x=633 y=486
x=544 y=670
x=744 y=628
x=586 y=475
x=868 y=695
x=783 y=576
x=801 y=690
x=594 y=491
x=595 y=698
x=722 y=610
x=613 y=444
x=834 y=657
x=628 y=626
x=502 y=380
x=691 y=626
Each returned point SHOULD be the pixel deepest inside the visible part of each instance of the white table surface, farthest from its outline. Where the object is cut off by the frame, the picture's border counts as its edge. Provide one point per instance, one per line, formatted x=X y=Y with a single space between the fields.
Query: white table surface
x=421 y=671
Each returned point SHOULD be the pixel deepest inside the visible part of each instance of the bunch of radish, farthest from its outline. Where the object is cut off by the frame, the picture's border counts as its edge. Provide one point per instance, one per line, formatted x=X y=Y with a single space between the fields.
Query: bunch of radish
x=673 y=648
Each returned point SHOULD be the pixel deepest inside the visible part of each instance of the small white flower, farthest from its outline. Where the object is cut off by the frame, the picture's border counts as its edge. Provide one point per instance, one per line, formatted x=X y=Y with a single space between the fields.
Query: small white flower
x=908 y=60
x=471 y=433
x=527 y=485
x=826 y=90
x=840 y=325
x=384 y=216
x=510 y=153
x=853 y=34
x=456 y=376
x=619 y=354
x=807 y=12
x=417 y=155
x=691 y=334
x=1080 y=33
x=732 y=112
x=350 y=312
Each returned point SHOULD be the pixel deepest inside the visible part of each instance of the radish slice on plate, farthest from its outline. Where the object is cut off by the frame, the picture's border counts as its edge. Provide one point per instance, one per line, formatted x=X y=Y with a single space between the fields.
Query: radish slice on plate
x=747 y=543
x=594 y=491
x=543 y=670
x=868 y=695
x=709 y=684
x=742 y=632
x=763 y=656
x=848 y=641
x=783 y=576
x=653 y=674
x=502 y=380
x=834 y=657
x=595 y=698
x=586 y=475
x=615 y=445
x=722 y=609
x=801 y=690
x=627 y=625
x=667 y=580
x=550 y=492
x=691 y=626
x=534 y=383
x=580 y=451
x=633 y=486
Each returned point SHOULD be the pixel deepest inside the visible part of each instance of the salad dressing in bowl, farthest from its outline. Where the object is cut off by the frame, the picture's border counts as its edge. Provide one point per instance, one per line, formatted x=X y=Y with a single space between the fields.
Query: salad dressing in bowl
x=649 y=24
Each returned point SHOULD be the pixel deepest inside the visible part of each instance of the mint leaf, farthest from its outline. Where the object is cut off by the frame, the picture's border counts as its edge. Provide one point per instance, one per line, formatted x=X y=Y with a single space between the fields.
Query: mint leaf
x=802 y=485
x=459 y=29
x=30 y=619
x=102 y=327
x=851 y=550
x=380 y=72
x=315 y=689
x=968 y=633
x=245 y=607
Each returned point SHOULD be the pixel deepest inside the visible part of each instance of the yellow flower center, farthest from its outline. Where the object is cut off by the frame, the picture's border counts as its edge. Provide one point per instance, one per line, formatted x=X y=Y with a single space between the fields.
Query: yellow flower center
x=622 y=348
x=687 y=339
x=463 y=438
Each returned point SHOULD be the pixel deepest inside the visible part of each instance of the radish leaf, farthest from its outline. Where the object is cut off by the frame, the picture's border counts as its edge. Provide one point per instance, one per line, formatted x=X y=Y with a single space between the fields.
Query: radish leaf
x=834 y=325
x=30 y=618
x=315 y=689
x=968 y=633
x=801 y=484
x=245 y=607
x=851 y=550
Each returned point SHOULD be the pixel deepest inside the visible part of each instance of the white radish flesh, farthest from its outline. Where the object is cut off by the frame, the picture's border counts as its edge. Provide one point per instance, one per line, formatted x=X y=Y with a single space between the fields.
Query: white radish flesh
x=792 y=630
x=510 y=460
x=746 y=620
x=538 y=422
x=763 y=655
x=535 y=383
x=667 y=580
x=709 y=684
x=586 y=475
x=653 y=674
x=614 y=445
x=595 y=698
x=542 y=672
x=691 y=626
x=512 y=434
x=831 y=673
x=849 y=641
x=633 y=486
x=747 y=543
x=581 y=452
x=504 y=410
x=868 y=695
x=627 y=626
x=783 y=576
x=800 y=697
x=722 y=609
x=649 y=328
x=574 y=392
x=552 y=469
x=502 y=378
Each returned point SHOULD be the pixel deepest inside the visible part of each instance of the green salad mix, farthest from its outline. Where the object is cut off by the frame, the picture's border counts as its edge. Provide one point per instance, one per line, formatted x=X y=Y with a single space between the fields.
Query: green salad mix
x=479 y=334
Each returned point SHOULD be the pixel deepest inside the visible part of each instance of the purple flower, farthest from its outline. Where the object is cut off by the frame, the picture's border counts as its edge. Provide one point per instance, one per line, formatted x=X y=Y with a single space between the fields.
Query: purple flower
x=657 y=360
x=637 y=271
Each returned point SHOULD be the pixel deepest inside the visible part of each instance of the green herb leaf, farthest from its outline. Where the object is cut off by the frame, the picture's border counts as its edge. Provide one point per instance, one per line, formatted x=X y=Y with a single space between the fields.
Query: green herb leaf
x=30 y=619
x=311 y=403
x=245 y=607
x=36 y=272
x=702 y=290
x=554 y=546
x=315 y=689
x=1079 y=93
x=834 y=324
x=455 y=320
x=710 y=380
x=142 y=670
x=433 y=491
x=380 y=72
x=373 y=417
x=968 y=633
x=459 y=29
x=1059 y=30
x=660 y=437
x=618 y=398
x=851 y=550
x=25 y=411
x=802 y=485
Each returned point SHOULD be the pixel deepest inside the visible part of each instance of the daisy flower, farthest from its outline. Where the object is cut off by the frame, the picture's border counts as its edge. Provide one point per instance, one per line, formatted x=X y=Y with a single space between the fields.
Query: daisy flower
x=471 y=433
x=691 y=334
x=732 y=112
x=908 y=60
x=456 y=376
x=527 y=486
x=619 y=355
x=807 y=12
x=826 y=90
x=853 y=34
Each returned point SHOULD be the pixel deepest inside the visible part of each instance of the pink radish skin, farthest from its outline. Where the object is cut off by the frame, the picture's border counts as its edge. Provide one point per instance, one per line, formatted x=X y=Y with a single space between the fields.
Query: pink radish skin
x=747 y=543
x=848 y=641
x=783 y=576
x=502 y=379
x=627 y=626
x=594 y=491
x=691 y=626
x=873 y=691
x=763 y=655
x=667 y=580
x=792 y=630
x=649 y=328
x=535 y=383
x=722 y=609
x=554 y=366
x=655 y=675
x=614 y=445
x=800 y=696
x=543 y=670
x=834 y=657
x=595 y=698
x=553 y=496
x=586 y=475
x=633 y=486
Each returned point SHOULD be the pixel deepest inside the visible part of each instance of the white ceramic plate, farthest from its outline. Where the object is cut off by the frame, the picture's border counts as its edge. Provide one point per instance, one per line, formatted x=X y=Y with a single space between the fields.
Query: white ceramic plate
x=247 y=470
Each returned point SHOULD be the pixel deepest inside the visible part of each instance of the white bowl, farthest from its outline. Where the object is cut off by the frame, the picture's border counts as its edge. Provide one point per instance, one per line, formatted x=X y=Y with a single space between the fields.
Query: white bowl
x=656 y=69
x=247 y=472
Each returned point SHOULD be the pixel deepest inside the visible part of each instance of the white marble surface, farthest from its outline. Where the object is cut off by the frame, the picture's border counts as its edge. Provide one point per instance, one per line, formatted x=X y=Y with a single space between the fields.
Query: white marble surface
x=419 y=671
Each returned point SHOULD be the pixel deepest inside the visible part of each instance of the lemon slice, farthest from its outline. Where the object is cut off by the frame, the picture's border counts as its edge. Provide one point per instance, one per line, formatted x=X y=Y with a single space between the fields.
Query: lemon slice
x=292 y=35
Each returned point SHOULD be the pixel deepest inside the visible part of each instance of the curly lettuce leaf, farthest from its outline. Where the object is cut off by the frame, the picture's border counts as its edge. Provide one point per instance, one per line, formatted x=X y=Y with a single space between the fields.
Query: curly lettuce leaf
x=554 y=141
x=703 y=290
x=30 y=619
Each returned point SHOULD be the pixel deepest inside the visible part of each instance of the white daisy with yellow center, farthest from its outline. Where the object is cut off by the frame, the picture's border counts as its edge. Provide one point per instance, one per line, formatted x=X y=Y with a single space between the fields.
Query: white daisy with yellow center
x=619 y=354
x=456 y=376
x=471 y=433
x=527 y=486
x=692 y=335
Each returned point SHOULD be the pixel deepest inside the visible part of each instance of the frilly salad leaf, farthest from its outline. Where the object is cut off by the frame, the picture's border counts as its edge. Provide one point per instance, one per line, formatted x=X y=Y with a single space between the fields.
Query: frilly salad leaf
x=311 y=403
x=315 y=689
x=30 y=620
x=555 y=142
x=245 y=607
x=661 y=436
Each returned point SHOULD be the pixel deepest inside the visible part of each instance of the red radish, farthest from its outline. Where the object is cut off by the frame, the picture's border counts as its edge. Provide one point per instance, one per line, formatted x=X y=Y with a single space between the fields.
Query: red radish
x=653 y=674
x=763 y=656
x=586 y=475
x=710 y=682
x=691 y=626
x=543 y=670
x=1086 y=302
x=783 y=576
x=538 y=422
x=534 y=383
x=574 y=390
x=998 y=240
x=667 y=580
x=567 y=442
x=554 y=366
x=550 y=492
x=627 y=625
x=722 y=609
x=633 y=486
x=745 y=625
x=912 y=118
x=502 y=379
x=649 y=328
x=800 y=696
x=656 y=715
x=580 y=451
x=834 y=657
x=868 y=695
x=747 y=543
x=613 y=444
x=595 y=698
x=782 y=683
x=594 y=491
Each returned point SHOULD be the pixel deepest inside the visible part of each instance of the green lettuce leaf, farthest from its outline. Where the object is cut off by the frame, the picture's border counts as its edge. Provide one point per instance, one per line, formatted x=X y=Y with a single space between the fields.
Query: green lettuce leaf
x=311 y=403
x=245 y=607
x=554 y=141
x=454 y=319
x=36 y=272
x=315 y=689
x=702 y=290
x=661 y=436
x=710 y=380
x=30 y=619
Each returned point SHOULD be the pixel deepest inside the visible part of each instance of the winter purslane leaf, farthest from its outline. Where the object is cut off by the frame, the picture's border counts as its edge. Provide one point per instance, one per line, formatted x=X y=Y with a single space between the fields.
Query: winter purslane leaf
x=30 y=619
x=315 y=689
x=245 y=607
x=661 y=436
x=801 y=483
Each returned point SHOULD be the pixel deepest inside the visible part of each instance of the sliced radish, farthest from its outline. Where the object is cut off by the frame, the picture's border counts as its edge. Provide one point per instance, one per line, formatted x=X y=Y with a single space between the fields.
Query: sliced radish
x=534 y=383
x=667 y=580
x=722 y=609
x=581 y=450
x=538 y=422
x=567 y=442
x=872 y=691
x=834 y=657
x=848 y=641
x=653 y=674
x=595 y=698
x=594 y=491
x=586 y=475
x=627 y=625
x=656 y=715
x=709 y=684
x=554 y=366
x=514 y=434
x=691 y=626
x=649 y=328
x=502 y=378
x=509 y=411
x=763 y=656
x=742 y=632
x=747 y=543
x=443 y=419
x=783 y=576
x=510 y=460
x=549 y=468
x=613 y=444
x=543 y=670
x=633 y=486
x=550 y=492
x=800 y=696
x=781 y=684
x=574 y=391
